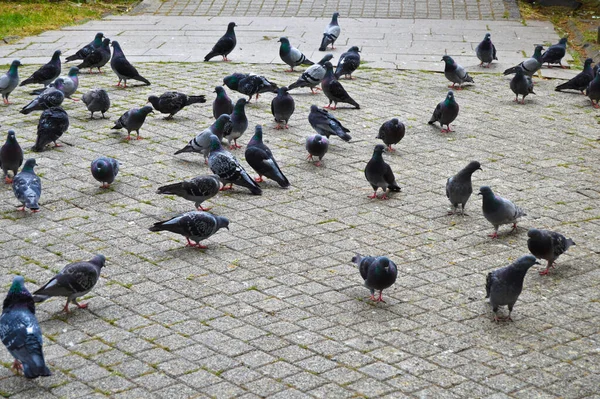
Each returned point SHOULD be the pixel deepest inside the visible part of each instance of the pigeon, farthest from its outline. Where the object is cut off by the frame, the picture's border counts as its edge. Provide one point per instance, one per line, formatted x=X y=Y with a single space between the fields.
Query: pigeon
x=228 y=168
x=326 y=124
x=379 y=273
x=51 y=126
x=521 y=84
x=317 y=146
x=459 y=187
x=105 y=169
x=391 y=132
x=291 y=55
x=486 y=51
x=581 y=80
x=445 y=112
x=455 y=73
x=122 y=68
x=86 y=50
x=171 y=102
x=498 y=210
x=195 y=226
x=596 y=68
x=249 y=84
x=282 y=107
x=133 y=120
x=239 y=123
x=27 y=187
x=201 y=143
x=70 y=82
x=97 y=58
x=547 y=245
x=530 y=65
x=312 y=76
x=334 y=90
x=10 y=80
x=260 y=158
x=503 y=286
x=53 y=96
x=331 y=33
x=96 y=100
x=222 y=104
x=224 y=45
x=11 y=156
x=47 y=73
x=555 y=53
x=348 y=63
x=593 y=91
x=197 y=190
x=379 y=174
x=73 y=281
x=20 y=331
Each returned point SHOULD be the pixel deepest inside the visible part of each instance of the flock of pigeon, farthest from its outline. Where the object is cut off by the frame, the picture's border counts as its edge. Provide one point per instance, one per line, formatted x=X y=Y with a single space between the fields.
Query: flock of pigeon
x=19 y=329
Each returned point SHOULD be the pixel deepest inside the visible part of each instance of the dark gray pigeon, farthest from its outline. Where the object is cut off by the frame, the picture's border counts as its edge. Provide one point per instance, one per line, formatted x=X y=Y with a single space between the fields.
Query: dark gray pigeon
x=593 y=91
x=123 y=68
x=171 y=102
x=51 y=97
x=379 y=273
x=445 y=112
x=105 y=170
x=282 y=107
x=249 y=84
x=133 y=120
x=87 y=49
x=334 y=90
x=228 y=168
x=10 y=80
x=498 y=210
x=201 y=143
x=547 y=245
x=47 y=73
x=312 y=76
x=197 y=190
x=27 y=187
x=379 y=174
x=96 y=100
x=455 y=73
x=348 y=63
x=530 y=65
x=20 y=331
x=391 y=132
x=459 y=187
x=317 y=146
x=239 y=124
x=97 y=58
x=224 y=45
x=73 y=281
x=331 y=33
x=486 y=51
x=291 y=55
x=51 y=126
x=581 y=80
x=326 y=124
x=195 y=226
x=222 y=104
x=521 y=84
x=555 y=53
x=503 y=286
x=260 y=158
x=11 y=156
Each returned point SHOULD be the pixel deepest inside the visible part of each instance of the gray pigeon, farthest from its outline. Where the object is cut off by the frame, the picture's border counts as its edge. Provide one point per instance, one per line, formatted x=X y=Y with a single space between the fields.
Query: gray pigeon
x=27 y=187
x=455 y=73
x=379 y=273
x=503 y=286
x=123 y=68
x=20 y=331
x=96 y=100
x=261 y=159
x=486 y=51
x=239 y=124
x=97 y=58
x=379 y=174
x=555 y=53
x=291 y=55
x=282 y=107
x=317 y=146
x=222 y=104
x=459 y=187
x=228 y=168
x=197 y=190
x=73 y=281
x=87 y=49
x=11 y=156
x=445 y=112
x=224 y=45
x=326 y=124
x=547 y=245
x=331 y=33
x=53 y=96
x=10 y=80
x=47 y=73
x=105 y=170
x=521 y=84
x=249 y=84
x=51 y=126
x=593 y=91
x=133 y=120
x=391 y=132
x=70 y=83
x=530 y=65
x=195 y=226
x=201 y=143
x=348 y=63
x=334 y=90
x=581 y=80
x=171 y=102
x=498 y=210
x=312 y=76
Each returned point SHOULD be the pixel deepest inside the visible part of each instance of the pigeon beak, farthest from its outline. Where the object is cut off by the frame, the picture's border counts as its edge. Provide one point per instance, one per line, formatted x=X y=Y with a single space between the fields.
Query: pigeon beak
x=479 y=193
x=537 y=263
x=480 y=169
x=227 y=227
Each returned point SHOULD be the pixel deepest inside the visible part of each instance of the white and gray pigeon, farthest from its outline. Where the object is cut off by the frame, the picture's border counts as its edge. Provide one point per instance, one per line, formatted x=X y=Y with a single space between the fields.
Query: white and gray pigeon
x=201 y=143
x=53 y=96
x=228 y=168
x=222 y=104
x=547 y=245
x=96 y=100
x=498 y=210
x=455 y=73
x=105 y=170
x=73 y=281
x=239 y=124
x=133 y=120
x=317 y=146
x=380 y=174
x=27 y=187
x=11 y=156
x=53 y=123
x=530 y=65
x=331 y=33
x=9 y=81
x=348 y=63
x=197 y=190
x=260 y=158
x=459 y=187
x=391 y=132
x=312 y=76
x=378 y=273
x=291 y=55
x=445 y=112
x=521 y=84
x=71 y=83
x=486 y=51
x=503 y=286
x=326 y=124
x=195 y=226
x=282 y=107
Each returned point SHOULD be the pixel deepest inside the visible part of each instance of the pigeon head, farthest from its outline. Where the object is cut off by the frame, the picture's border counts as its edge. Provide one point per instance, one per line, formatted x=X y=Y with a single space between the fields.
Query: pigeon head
x=328 y=68
x=382 y=263
x=587 y=63
x=318 y=138
x=314 y=108
x=215 y=143
x=59 y=83
x=450 y=97
x=230 y=27
x=485 y=192
x=231 y=81
x=115 y=45
x=395 y=121
x=18 y=285
x=537 y=54
x=99 y=36
x=105 y=42
x=73 y=71
x=56 y=55
x=14 y=66
x=525 y=262
x=335 y=16
x=258 y=134
x=10 y=137
x=563 y=41
x=222 y=122
x=447 y=59
x=98 y=260
x=282 y=91
x=378 y=150
x=473 y=166
x=219 y=90
x=222 y=222
x=354 y=49
x=519 y=71
x=29 y=165
x=146 y=109
x=534 y=233
x=18 y=293
x=154 y=101
x=285 y=43
x=101 y=167
x=487 y=37
x=240 y=104
x=327 y=57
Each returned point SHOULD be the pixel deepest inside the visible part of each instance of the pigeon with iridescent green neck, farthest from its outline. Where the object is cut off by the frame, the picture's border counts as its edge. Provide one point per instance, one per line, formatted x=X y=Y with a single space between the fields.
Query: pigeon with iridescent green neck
x=105 y=170
x=445 y=112
x=261 y=159
x=71 y=83
x=53 y=96
x=378 y=273
x=87 y=49
x=291 y=55
x=239 y=124
x=498 y=210
x=228 y=168
x=11 y=156
x=379 y=174
x=530 y=65
x=455 y=73
x=249 y=84
x=201 y=143
x=222 y=104
x=10 y=80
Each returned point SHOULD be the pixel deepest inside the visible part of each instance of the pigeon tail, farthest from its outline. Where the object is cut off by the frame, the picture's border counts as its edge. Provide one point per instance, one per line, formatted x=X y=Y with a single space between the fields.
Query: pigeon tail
x=142 y=79
x=187 y=148
x=210 y=55
x=345 y=136
x=40 y=298
x=27 y=81
x=195 y=100
x=510 y=71
x=327 y=40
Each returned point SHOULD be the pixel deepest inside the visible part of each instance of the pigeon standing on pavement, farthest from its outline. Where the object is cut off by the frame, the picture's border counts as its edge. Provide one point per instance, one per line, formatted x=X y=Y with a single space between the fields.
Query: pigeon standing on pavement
x=291 y=55
x=317 y=146
x=521 y=84
x=326 y=124
x=9 y=81
x=195 y=226
x=197 y=190
x=445 y=112
x=96 y=100
x=105 y=170
x=555 y=53
x=503 y=286
x=20 y=331
x=282 y=107
x=261 y=159
x=222 y=104
x=133 y=120
x=239 y=124
x=348 y=63
x=547 y=245
x=391 y=132
x=459 y=187
x=224 y=45
x=97 y=58
x=312 y=76
x=47 y=73
x=498 y=210
x=378 y=273
x=228 y=168
x=27 y=187
x=71 y=82
x=123 y=68
x=73 y=281
x=530 y=65
x=379 y=174
x=171 y=102
x=11 y=156
x=249 y=84
x=581 y=80
x=51 y=97
x=201 y=143
x=331 y=33
x=455 y=73
x=334 y=90
x=593 y=91
x=86 y=50
x=51 y=126
x=486 y=51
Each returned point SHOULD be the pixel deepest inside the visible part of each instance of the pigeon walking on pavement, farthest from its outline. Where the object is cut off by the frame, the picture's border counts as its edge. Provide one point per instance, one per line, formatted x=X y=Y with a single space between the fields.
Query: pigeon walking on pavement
x=27 y=187
x=46 y=73
x=317 y=146
x=593 y=91
x=239 y=124
x=498 y=210
x=521 y=84
x=96 y=100
x=455 y=73
x=312 y=76
x=53 y=123
x=334 y=90
x=261 y=159
x=97 y=58
x=445 y=112
x=133 y=120
x=224 y=45
x=380 y=174
x=229 y=169
x=555 y=53
x=249 y=84
x=282 y=107
x=201 y=143
x=348 y=63
x=331 y=33
x=547 y=245
x=51 y=97
x=171 y=102
x=105 y=170
x=222 y=104
x=86 y=50
x=9 y=81
x=581 y=81
x=11 y=156
x=378 y=273
x=391 y=132
x=123 y=68
x=291 y=55
x=486 y=51
x=197 y=190
x=71 y=83
x=530 y=65
x=459 y=187
x=195 y=226
x=326 y=124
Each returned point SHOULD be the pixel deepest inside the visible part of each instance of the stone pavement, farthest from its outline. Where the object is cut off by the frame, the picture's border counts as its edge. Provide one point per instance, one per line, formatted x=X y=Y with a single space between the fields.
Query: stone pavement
x=274 y=308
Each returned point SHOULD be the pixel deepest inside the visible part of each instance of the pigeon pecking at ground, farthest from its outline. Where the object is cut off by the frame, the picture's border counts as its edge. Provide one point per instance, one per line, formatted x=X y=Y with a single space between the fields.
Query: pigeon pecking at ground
x=581 y=81
x=555 y=53
x=445 y=112
x=261 y=159
x=455 y=73
x=239 y=124
x=97 y=58
x=348 y=63
x=498 y=210
x=10 y=80
x=222 y=104
x=334 y=90
x=87 y=49
x=228 y=168
x=317 y=146
x=379 y=174
x=326 y=124
x=312 y=76
x=530 y=65
x=47 y=72
x=123 y=68
x=105 y=170
x=96 y=100
x=282 y=107
x=486 y=51
x=378 y=273
x=195 y=226
x=391 y=132
x=27 y=187
x=224 y=45
x=133 y=120
x=249 y=84
x=171 y=102
x=201 y=143
x=331 y=33
x=547 y=245
x=11 y=156
x=459 y=187
x=53 y=123
x=197 y=190
x=521 y=84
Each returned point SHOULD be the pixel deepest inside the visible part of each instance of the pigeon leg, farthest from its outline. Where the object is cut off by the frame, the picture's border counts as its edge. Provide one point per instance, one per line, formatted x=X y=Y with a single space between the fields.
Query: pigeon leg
x=74 y=99
x=5 y=101
x=595 y=104
x=259 y=179
x=493 y=235
x=225 y=188
x=278 y=127
x=169 y=117
x=17 y=366
x=35 y=210
x=201 y=208
x=196 y=245
x=57 y=144
x=80 y=305
x=374 y=195
x=309 y=157
x=226 y=59
x=99 y=70
x=452 y=87
x=128 y=137
x=380 y=298
x=384 y=196
x=289 y=70
x=66 y=307
x=514 y=227
x=8 y=180
x=372 y=297
x=390 y=148
x=138 y=135
x=21 y=208
x=318 y=163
